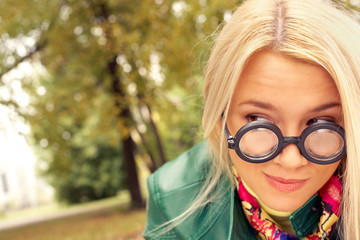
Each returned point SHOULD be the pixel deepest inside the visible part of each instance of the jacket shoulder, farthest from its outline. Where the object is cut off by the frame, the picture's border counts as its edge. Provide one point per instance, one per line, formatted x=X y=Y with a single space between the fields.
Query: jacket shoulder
x=173 y=187
x=189 y=168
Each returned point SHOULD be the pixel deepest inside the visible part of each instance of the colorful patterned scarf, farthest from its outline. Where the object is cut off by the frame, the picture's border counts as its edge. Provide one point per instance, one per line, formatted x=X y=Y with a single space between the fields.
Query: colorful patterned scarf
x=267 y=229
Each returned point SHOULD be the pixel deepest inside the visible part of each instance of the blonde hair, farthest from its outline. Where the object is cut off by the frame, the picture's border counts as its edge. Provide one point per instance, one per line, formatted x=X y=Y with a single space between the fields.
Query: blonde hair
x=322 y=33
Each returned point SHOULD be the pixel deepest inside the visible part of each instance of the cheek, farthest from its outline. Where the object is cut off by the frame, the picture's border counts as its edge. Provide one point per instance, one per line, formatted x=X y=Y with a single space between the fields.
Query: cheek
x=322 y=173
x=235 y=160
x=245 y=169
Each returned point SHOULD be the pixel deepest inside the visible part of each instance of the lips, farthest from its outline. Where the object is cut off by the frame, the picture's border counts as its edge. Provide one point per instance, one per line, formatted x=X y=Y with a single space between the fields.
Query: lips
x=285 y=185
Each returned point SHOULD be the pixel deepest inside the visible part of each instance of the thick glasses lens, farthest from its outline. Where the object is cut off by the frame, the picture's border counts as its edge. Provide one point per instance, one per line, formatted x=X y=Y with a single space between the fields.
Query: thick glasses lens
x=261 y=141
x=258 y=143
x=324 y=144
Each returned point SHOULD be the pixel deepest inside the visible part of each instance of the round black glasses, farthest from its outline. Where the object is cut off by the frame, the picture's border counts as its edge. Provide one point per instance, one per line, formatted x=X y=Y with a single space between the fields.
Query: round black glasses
x=260 y=141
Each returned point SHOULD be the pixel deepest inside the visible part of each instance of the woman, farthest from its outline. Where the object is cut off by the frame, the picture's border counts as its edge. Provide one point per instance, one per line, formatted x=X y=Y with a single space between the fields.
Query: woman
x=282 y=87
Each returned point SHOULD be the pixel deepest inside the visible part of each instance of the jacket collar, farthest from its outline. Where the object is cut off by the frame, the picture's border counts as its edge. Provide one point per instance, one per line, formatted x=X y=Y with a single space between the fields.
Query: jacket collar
x=224 y=219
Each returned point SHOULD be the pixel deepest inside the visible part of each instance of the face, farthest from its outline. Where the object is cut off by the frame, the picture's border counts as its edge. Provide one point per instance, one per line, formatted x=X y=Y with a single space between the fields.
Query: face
x=292 y=95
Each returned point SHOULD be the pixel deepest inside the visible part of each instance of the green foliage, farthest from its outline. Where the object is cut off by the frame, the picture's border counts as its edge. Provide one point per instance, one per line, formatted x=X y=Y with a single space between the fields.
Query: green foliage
x=78 y=98
x=94 y=174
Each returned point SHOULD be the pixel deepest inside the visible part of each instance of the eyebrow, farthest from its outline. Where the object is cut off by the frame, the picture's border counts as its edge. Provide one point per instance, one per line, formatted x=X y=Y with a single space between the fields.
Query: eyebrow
x=326 y=106
x=259 y=104
x=271 y=107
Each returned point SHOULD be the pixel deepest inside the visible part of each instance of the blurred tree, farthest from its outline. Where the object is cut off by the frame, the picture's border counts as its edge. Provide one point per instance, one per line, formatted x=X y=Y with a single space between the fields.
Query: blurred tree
x=97 y=176
x=113 y=75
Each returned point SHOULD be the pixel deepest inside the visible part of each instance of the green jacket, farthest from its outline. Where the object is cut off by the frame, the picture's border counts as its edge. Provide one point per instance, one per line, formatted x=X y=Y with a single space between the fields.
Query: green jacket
x=174 y=185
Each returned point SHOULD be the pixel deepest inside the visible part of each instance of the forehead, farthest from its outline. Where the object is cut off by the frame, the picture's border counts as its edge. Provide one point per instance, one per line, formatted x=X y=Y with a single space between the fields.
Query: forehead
x=271 y=77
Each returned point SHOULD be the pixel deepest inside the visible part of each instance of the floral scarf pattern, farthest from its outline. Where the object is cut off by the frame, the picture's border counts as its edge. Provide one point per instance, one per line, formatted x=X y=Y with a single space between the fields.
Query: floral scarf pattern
x=267 y=229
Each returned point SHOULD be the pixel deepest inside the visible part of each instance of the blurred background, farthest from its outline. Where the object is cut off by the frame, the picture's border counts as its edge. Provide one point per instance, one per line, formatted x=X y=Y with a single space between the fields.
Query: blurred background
x=94 y=96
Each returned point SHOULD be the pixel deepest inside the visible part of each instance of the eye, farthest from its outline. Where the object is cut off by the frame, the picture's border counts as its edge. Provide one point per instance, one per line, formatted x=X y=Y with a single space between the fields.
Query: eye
x=316 y=120
x=253 y=117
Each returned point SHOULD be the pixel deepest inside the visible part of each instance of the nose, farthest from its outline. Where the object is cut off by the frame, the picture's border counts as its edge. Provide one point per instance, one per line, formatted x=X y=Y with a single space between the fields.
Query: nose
x=290 y=157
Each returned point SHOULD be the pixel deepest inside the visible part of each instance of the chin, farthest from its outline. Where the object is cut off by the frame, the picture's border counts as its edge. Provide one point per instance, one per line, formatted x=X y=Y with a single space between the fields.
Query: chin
x=285 y=208
x=285 y=204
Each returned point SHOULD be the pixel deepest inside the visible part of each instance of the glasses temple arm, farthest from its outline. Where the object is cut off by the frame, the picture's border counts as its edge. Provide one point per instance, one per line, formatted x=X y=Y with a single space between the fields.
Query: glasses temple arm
x=229 y=138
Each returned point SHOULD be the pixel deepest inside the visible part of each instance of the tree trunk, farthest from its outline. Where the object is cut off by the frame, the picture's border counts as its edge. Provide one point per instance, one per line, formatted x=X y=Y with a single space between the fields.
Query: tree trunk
x=151 y=166
x=157 y=138
x=123 y=114
x=131 y=170
x=128 y=143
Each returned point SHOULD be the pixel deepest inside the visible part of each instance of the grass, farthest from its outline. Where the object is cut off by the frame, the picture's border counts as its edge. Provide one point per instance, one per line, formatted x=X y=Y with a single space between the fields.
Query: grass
x=114 y=223
x=122 y=198
x=110 y=225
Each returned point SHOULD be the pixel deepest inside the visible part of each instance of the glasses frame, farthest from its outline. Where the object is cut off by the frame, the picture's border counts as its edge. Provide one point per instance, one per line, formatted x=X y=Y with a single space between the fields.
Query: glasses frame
x=233 y=142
